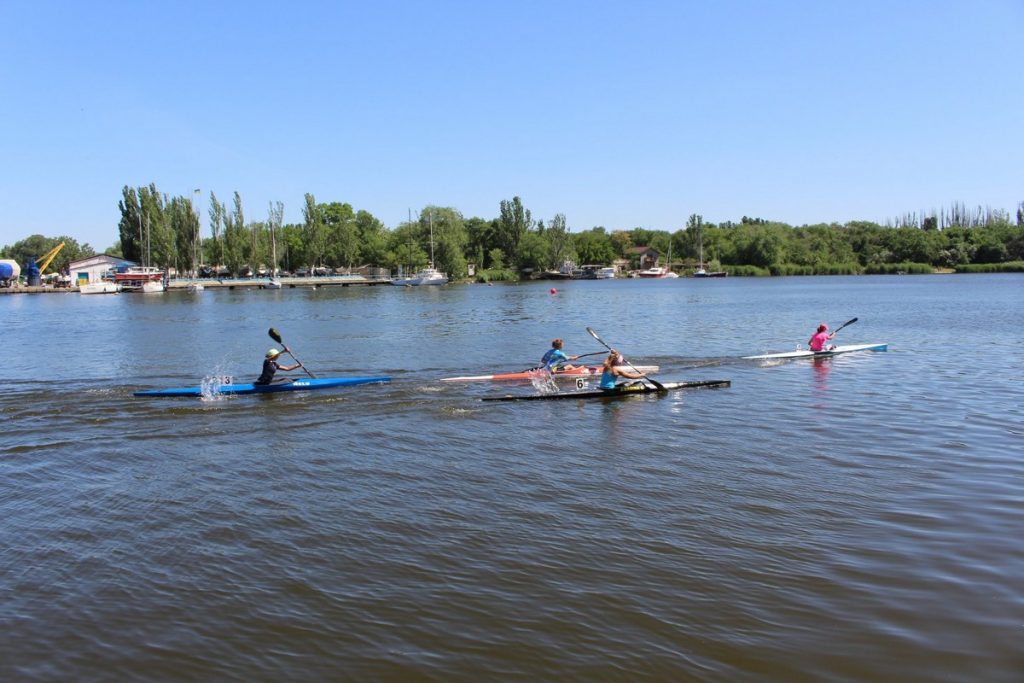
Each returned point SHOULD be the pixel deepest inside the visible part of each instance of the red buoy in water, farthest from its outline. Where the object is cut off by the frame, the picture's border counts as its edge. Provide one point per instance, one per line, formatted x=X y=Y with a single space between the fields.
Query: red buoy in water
x=554 y=291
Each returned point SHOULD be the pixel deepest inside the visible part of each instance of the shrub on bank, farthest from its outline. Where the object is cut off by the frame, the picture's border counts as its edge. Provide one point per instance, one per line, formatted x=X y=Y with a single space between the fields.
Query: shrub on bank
x=1008 y=267
x=819 y=269
x=898 y=269
x=497 y=275
x=789 y=269
x=747 y=271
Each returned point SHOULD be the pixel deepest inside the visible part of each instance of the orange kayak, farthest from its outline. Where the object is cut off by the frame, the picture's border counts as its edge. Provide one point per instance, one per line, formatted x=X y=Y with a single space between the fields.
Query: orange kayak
x=583 y=371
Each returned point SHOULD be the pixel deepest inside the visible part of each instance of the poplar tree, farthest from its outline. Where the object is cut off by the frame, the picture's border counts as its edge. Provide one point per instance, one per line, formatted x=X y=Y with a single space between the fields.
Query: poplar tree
x=514 y=221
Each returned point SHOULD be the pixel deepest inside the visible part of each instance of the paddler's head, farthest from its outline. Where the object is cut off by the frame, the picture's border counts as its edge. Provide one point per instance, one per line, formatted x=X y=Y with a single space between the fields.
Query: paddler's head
x=823 y=328
x=556 y=344
x=272 y=354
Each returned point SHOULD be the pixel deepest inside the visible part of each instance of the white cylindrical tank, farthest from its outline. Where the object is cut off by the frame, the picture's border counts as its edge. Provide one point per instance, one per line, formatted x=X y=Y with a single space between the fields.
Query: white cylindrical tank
x=9 y=272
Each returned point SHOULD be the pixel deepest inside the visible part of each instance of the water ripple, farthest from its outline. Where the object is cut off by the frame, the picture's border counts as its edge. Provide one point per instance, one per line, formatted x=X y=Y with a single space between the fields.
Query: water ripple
x=851 y=520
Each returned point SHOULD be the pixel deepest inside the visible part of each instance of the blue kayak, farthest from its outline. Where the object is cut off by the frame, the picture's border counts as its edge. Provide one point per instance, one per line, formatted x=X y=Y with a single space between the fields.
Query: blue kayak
x=305 y=384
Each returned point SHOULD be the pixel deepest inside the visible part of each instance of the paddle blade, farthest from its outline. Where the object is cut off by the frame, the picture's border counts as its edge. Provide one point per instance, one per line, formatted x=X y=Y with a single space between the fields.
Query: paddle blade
x=848 y=322
x=274 y=335
x=595 y=336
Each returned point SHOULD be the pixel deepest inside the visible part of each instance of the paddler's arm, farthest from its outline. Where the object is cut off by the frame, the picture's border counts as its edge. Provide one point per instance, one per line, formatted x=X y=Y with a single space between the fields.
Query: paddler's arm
x=289 y=368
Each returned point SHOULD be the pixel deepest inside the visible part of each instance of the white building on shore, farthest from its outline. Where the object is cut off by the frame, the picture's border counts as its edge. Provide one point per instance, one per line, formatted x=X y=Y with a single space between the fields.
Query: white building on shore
x=92 y=269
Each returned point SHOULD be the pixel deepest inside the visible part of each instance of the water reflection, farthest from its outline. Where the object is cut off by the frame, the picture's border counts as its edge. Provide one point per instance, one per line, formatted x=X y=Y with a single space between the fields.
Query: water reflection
x=822 y=366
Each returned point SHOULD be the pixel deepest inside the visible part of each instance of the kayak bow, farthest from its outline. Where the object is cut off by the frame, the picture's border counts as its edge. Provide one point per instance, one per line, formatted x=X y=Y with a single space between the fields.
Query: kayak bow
x=296 y=385
x=619 y=392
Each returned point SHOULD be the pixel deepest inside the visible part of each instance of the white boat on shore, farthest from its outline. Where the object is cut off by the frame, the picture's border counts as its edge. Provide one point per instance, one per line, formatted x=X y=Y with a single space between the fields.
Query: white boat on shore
x=653 y=272
x=101 y=287
x=427 y=276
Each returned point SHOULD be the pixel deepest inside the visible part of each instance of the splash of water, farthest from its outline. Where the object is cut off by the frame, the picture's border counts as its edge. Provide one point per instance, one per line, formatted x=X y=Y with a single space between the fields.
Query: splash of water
x=211 y=385
x=542 y=381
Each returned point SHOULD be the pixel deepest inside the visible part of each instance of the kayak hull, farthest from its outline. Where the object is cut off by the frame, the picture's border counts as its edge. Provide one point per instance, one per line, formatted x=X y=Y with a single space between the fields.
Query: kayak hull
x=306 y=384
x=585 y=371
x=622 y=391
x=805 y=353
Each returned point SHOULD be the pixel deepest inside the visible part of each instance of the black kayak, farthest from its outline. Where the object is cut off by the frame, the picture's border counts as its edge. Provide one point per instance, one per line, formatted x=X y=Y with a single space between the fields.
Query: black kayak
x=618 y=392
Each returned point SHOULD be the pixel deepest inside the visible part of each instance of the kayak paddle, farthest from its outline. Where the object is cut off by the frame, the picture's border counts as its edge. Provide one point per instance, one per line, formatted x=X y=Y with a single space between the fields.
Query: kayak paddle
x=582 y=355
x=848 y=322
x=657 y=385
x=595 y=353
x=275 y=335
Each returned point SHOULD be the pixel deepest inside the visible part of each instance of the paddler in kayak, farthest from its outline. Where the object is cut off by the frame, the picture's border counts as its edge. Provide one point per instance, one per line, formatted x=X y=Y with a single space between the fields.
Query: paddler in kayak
x=555 y=359
x=270 y=366
x=820 y=338
x=613 y=368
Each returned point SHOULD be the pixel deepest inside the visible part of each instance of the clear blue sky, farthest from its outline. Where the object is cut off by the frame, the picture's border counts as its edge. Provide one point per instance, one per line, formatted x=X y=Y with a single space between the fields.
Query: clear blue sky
x=619 y=114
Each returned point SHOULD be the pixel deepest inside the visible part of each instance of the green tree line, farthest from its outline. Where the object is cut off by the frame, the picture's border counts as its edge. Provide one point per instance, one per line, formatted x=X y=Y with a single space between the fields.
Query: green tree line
x=34 y=246
x=164 y=231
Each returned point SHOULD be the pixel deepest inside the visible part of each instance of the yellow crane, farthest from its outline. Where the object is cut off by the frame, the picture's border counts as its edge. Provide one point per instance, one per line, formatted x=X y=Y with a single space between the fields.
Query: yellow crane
x=47 y=258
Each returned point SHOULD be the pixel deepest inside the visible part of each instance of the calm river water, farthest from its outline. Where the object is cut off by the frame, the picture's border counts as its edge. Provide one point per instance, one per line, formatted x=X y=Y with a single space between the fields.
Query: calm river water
x=857 y=519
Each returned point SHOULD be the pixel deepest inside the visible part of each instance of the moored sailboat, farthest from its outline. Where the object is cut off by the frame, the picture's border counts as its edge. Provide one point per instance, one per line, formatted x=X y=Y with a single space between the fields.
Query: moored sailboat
x=429 y=275
x=700 y=272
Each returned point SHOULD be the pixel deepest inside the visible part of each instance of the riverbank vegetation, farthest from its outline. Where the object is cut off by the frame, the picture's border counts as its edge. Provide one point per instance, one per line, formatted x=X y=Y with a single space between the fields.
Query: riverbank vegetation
x=165 y=231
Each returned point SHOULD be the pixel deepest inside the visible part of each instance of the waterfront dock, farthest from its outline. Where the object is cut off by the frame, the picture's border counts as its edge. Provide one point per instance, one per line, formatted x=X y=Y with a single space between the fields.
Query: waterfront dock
x=182 y=284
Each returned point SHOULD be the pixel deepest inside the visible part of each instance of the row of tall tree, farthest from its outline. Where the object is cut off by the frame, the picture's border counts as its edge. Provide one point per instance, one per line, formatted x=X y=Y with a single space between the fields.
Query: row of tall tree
x=156 y=229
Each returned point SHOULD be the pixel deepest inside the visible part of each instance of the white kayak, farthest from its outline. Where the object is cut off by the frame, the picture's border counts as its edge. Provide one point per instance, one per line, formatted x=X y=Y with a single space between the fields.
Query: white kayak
x=807 y=353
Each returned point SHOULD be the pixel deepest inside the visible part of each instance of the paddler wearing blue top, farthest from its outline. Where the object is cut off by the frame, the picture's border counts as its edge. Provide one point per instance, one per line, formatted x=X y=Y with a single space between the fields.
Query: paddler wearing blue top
x=613 y=369
x=270 y=366
x=555 y=358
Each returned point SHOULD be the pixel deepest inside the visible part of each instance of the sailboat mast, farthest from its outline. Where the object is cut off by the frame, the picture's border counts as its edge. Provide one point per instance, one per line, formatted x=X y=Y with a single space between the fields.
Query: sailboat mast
x=430 y=221
x=410 y=244
x=273 y=251
x=196 y=245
